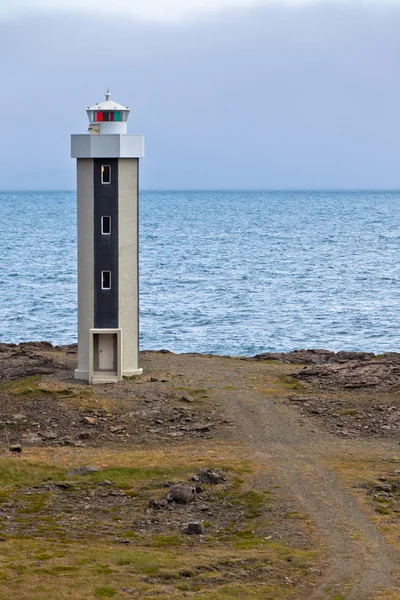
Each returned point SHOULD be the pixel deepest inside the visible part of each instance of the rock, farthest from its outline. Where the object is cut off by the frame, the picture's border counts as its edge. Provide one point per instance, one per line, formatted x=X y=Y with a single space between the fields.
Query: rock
x=31 y=438
x=48 y=435
x=154 y=503
x=89 y=420
x=186 y=398
x=383 y=487
x=64 y=485
x=201 y=429
x=17 y=448
x=195 y=528
x=19 y=417
x=83 y=471
x=118 y=429
x=362 y=356
x=163 y=503
x=314 y=357
x=153 y=379
x=181 y=494
x=84 y=435
x=210 y=476
x=67 y=441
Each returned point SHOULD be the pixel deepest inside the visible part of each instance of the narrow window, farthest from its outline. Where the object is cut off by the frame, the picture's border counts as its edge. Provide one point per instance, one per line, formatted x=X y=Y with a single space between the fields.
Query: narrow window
x=106 y=225
x=105 y=174
x=106 y=280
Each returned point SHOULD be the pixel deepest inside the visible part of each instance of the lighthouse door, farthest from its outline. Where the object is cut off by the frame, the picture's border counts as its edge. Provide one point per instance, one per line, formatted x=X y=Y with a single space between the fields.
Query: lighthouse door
x=107 y=352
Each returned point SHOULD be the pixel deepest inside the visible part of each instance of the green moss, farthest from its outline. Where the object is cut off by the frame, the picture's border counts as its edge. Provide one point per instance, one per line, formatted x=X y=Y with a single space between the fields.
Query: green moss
x=382 y=510
x=162 y=541
x=25 y=473
x=290 y=383
x=296 y=515
x=105 y=592
x=253 y=502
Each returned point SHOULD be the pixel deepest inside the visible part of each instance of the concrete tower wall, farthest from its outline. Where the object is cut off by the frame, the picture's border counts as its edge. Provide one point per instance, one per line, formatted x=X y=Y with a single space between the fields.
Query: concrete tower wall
x=85 y=188
x=128 y=196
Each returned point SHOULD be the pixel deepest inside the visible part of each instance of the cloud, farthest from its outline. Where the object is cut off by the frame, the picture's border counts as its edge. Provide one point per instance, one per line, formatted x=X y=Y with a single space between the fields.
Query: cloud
x=158 y=10
x=265 y=97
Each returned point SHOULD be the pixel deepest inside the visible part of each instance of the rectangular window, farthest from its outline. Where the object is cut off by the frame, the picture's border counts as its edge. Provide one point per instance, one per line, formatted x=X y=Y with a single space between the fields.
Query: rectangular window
x=105 y=174
x=99 y=116
x=105 y=225
x=117 y=116
x=106 y=280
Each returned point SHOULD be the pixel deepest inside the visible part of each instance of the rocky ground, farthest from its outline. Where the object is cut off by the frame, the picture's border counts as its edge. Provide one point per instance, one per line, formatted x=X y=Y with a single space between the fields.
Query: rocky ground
x=222 y=460
x=61 y=411
x=352 y=394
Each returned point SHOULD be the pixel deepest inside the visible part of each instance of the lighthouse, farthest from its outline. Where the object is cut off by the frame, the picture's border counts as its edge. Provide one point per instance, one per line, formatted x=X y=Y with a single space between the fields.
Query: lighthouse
x=108 y=250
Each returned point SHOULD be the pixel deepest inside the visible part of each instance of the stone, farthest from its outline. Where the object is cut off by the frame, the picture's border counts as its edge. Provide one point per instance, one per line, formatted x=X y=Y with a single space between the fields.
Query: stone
x=186 y=398
x=195 y=528
x=118 y=429
x=210 y=476
x=48 y=435
x=17 y=448
x=88 y=420
x=163 y=503
x=383 y=487
x=181 y=494
x=85 y=470
x=154 y=503
x=19 y=417
x=31 y=438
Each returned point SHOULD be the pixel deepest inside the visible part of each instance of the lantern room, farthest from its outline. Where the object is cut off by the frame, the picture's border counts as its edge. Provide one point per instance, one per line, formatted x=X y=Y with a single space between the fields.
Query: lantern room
x=108 y=117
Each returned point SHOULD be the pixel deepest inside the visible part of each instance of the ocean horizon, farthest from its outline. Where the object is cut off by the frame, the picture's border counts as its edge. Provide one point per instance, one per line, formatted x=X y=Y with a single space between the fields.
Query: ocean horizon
x=233 y=272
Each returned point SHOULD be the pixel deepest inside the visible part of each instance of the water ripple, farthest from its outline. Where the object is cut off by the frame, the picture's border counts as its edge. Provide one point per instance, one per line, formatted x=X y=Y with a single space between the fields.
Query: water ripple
x=222 y=272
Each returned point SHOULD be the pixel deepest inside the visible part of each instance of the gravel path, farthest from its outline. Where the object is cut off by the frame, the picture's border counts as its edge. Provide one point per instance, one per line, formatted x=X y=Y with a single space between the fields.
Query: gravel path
x=361 y=562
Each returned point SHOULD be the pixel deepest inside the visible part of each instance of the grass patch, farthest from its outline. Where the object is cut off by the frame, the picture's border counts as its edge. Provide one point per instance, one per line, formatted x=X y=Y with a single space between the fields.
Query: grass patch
x=382 y=510
x=25 y=473
x=348 y=412
x=290 y=383
x=254 y=503
x=296 y=515
x=105 y=592
x=126 y=477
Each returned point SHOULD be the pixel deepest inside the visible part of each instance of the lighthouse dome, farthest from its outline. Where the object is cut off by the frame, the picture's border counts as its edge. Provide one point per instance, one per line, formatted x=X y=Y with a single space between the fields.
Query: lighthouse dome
x=108 y=116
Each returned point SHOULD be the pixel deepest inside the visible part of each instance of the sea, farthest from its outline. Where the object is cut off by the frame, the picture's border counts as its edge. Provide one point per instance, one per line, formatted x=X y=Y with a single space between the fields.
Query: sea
x=222 y=272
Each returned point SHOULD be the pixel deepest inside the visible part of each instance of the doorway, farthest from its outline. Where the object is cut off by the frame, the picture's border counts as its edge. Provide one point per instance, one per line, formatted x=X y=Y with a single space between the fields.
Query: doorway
x=105 y=359
x=105 y=351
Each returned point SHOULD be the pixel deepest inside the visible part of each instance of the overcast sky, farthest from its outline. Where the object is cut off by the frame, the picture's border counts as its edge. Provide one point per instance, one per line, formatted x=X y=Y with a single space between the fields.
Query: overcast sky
x=230 y=94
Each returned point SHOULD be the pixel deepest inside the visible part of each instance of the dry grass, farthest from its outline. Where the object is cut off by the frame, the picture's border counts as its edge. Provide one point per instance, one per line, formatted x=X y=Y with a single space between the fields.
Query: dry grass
x=234 y=564
x=359 y=474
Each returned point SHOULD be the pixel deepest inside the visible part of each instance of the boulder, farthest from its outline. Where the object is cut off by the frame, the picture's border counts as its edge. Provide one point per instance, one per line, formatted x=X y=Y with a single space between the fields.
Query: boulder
x=195 y=528
x=82 y=471
x=181 y=494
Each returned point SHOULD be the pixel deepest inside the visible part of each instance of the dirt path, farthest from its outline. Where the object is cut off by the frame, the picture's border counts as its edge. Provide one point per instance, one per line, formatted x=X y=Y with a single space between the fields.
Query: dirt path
x=361 y=562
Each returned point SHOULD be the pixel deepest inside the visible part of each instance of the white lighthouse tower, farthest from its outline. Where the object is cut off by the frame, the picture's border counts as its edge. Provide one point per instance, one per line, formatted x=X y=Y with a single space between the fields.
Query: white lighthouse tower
x=108 y=291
